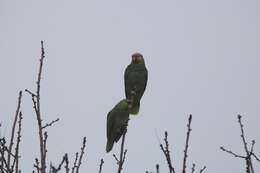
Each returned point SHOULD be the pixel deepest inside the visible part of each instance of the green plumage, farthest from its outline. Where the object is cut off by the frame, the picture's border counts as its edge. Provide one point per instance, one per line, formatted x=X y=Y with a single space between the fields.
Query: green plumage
x=136 y=76
x=117 y=120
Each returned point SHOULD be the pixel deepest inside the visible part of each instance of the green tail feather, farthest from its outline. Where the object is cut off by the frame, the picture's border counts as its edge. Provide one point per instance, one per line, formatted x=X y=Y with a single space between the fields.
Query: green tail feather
x=109 y=146
x=135 y=109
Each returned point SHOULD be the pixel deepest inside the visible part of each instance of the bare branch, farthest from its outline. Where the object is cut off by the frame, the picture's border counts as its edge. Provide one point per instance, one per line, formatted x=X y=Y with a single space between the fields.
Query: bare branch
x=67 y=164
x=157 y=168
x=33 y=100
x=166 y=152
x=202 y=169
x=37 y=165
x=39 y=77
x=122 y=153
x=2 y=141
x=242 y=134
x=249 y=153
x=13 y=128
x=117 y=160
x=186 y=144
x=36 y=106
x=38 y=111
x=252 y=146
x=100 y=166
x=81 y=154
x=253 y=154
x=193 y=168
x=75 y=162
x=232 y=153
x=30 y=92
x=248 y=160
x=45 y=145
x=65 y=157
x=51 y=123
x=18 y=143
x=2 y=152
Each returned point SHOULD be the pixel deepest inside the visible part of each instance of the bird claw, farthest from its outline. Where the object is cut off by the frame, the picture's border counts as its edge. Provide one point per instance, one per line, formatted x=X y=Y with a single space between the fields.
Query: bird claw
x=125 y=127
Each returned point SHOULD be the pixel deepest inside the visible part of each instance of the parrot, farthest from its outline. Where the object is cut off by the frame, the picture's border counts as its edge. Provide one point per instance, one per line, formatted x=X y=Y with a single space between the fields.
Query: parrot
x=135 y=76
x=117 y=120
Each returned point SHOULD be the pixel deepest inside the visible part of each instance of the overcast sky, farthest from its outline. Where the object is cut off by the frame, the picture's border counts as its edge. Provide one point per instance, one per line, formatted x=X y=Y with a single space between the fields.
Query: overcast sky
x=203 y=59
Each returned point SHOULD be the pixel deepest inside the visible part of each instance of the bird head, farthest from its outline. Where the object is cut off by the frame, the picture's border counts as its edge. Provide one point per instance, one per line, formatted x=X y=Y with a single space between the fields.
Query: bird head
x=137 y=58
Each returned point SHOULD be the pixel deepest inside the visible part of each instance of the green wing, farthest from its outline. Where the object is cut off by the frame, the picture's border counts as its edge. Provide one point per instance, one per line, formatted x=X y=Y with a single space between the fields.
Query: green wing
x=127 y=81
x=116 y=120
x=109 y=125
x=135 y=79
x=135 y=76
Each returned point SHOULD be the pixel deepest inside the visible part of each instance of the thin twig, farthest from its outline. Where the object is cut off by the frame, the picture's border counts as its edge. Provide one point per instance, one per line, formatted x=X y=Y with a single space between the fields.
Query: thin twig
x=36 y=165
x=242 y=134
x=18 y=142
x=123 y=151
x=253 y=154
x=51 y=168
x=157 y=168
x=117 y=160
x=33 y=100
x=249 y=153
x=100 y=166
x=60 y=165
x=3 y=160
x=13 y=128
x=186 y=145
x=232 y=153
x=202 y=169
x=2 y=151
x=6 y=149
x=75 y=162
x=122 y=154
x=252 y=146
x=81 y=154
x=249 y=160
x=166 y=152
x=45 y=144
x=51 y=123
x=67 y=163
x=193 y=168
x=30 y=92
x=36 y=106
x=38 y=111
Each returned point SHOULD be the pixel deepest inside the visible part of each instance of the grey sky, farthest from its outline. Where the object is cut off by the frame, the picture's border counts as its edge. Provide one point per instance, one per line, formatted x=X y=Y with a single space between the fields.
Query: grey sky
x=202 y=57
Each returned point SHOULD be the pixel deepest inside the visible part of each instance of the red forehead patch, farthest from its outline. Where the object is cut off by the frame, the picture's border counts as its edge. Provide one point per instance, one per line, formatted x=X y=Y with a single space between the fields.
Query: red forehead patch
x=136 y=54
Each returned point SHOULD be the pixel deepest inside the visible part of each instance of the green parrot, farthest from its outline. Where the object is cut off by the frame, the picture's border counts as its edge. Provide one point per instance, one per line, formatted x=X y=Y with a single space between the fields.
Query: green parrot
x=136 y=76
x=117 y=120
